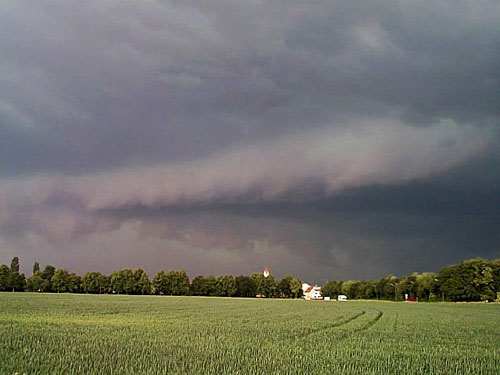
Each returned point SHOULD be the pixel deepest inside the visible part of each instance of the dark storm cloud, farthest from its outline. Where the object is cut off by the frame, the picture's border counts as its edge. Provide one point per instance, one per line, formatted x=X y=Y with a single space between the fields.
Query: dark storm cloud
x=108 y=84
x=379 y=119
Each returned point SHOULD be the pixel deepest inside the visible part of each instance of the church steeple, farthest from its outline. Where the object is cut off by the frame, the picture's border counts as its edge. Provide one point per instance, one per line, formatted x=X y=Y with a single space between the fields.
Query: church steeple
x=266 y=272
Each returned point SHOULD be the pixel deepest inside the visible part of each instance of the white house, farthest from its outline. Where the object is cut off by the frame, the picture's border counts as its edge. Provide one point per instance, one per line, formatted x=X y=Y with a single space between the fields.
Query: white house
x=311 y=292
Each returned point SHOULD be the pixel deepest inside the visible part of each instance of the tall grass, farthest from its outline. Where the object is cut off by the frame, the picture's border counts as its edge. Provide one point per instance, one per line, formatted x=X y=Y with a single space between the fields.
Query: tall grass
x=96 y=334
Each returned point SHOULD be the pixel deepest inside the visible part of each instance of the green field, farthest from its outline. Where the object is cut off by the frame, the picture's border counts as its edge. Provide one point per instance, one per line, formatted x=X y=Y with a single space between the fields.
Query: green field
x=98 y=334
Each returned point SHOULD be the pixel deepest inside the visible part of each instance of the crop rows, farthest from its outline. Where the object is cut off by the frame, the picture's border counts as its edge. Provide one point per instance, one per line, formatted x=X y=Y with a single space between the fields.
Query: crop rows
x=84 y=334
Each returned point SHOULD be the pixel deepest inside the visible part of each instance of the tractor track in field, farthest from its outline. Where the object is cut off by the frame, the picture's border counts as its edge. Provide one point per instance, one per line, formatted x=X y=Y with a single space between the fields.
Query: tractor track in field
x=330 y=326
x=395 y=323
x=370 y=323
x=364 y=327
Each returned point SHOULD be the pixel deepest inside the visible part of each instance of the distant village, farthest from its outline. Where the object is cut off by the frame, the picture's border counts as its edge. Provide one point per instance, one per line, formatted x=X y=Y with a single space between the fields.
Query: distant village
x=471 y=280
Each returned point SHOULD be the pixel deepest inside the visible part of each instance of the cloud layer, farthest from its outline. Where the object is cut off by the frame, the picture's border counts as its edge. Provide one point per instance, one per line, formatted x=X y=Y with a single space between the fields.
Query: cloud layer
x=303 y=166
x=188 y=126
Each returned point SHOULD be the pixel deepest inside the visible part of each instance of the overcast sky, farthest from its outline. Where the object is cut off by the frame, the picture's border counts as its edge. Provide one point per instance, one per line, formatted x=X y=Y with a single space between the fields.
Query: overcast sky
x=328 y=139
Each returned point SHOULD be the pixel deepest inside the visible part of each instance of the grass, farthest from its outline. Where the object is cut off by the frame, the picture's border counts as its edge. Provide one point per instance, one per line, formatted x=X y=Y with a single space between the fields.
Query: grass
x=97 y=334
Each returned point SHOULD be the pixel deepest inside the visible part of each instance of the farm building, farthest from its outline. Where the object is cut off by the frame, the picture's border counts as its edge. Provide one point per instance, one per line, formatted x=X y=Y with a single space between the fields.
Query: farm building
x=311 y=292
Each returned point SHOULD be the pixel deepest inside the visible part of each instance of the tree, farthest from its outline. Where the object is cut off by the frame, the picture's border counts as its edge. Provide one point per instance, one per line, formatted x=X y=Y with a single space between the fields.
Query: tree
x=386 y=287
x=407 y=285
x=495 y=266
x=142 y=283
x=284 y=288
x=36 y=267
x=258 y=282
x=16 y=281
x=171 y=278
x=264 y=286
x=197 y=286
x=105 y=284
x=177 y=283
x=91 y=282
x=204 y=286
x=483 y=278
x=74 y=283
x=350 y=289
x=296 y=288
x=123 y=281
x=225 y=286
x=182 y=283
x=471 y=280
x=244 y=286
x=371 y=290
x=331 y=289
x=35 y=282
x=270 y=287
x=160 y=283
x=4 y=278
x=426 y=286
x=210 y=288
x=366 y=289
x=14 y=265
x=61 y=281
x=47 y=274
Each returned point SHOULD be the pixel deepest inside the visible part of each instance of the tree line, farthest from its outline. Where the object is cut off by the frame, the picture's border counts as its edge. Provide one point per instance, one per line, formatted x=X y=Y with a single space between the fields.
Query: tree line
x=128 y=281
x=470 y=280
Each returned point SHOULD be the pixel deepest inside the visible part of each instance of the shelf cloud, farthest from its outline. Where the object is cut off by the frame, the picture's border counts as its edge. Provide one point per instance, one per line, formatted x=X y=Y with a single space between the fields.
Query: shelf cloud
x=219 y=137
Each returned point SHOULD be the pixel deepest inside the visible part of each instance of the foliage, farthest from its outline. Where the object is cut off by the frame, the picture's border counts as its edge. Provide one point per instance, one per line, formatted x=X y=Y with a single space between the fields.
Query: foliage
x=203 y=286
x=225 y=286
x=160 y=283
x=296 y=287
x=14 y=265
x=47 y=274
x=264 y=286
x=10 y=278
x=332 y=288
x=4 y=278
x=35 y=283
x=63 y=281
x=142 y=283
x=173 y=282
x=470 y=280
x=123 y=281
x=244 y=286
x=95 y=282
x=178 y=282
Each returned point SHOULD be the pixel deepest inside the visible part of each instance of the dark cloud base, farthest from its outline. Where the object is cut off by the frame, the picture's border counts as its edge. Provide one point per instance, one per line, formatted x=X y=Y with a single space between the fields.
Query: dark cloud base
x=365 y=233
x=330 y=140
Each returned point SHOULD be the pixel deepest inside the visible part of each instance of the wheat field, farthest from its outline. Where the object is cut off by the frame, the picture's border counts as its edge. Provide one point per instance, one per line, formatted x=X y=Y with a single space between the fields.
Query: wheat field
x=100 y=334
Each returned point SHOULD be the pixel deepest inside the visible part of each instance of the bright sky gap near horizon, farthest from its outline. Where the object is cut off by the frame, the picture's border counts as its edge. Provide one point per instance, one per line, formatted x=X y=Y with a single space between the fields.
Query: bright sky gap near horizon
x=329 y=140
